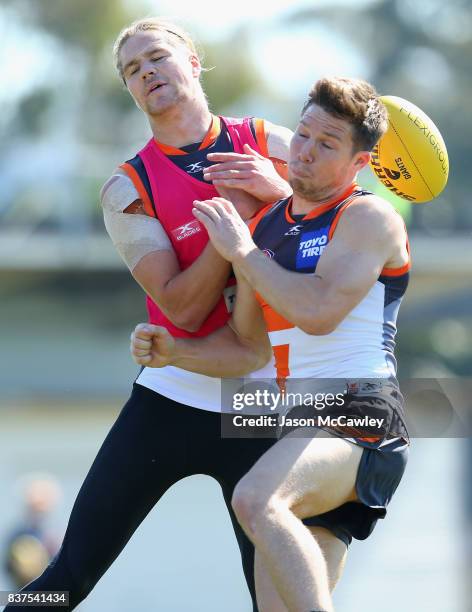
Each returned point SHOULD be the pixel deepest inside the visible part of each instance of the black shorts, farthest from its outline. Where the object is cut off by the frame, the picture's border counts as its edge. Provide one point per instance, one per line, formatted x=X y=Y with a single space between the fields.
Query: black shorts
x=383 y=461
x=378 y=476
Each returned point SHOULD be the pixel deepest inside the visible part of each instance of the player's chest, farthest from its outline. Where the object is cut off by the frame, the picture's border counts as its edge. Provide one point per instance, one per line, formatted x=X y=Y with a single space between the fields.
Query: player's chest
x=295 y=246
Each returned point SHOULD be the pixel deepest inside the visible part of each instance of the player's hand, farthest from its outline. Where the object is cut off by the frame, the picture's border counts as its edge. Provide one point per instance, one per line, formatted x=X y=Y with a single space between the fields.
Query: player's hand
x=248 y=171
x=227 y=231
x=152 y=346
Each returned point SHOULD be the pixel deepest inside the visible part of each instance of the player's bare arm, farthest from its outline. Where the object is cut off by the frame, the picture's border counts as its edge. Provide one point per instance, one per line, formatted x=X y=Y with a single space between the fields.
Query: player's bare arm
x=236 y=349
x=370 y=235
x=262 y=177
x=147 y=251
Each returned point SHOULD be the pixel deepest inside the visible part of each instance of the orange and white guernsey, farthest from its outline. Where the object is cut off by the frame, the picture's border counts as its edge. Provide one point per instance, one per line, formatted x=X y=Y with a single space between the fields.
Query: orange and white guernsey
x=362 y=346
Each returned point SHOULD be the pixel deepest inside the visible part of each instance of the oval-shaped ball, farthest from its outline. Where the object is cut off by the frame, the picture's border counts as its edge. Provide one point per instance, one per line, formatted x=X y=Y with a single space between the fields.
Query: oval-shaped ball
x=411 y=158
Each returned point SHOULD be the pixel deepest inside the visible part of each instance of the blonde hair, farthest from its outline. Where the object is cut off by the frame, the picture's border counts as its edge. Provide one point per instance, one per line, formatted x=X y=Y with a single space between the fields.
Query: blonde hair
x=150 y=23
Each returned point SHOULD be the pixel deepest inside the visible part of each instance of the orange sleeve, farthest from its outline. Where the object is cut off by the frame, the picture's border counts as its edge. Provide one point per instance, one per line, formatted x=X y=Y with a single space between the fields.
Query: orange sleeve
x=261 y=136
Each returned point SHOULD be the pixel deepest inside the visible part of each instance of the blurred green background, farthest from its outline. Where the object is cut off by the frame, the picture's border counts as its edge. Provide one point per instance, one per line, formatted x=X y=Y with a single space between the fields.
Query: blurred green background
x=68 y=303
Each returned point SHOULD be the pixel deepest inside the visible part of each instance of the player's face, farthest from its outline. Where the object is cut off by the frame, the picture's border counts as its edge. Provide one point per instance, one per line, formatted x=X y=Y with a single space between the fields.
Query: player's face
x=159 y=72
x=322 y=161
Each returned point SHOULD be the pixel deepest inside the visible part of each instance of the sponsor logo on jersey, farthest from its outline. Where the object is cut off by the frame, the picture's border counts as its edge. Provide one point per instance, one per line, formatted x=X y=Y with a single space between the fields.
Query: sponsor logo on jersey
x=187 y=230
x=194 y=168
x=311 y=246
x=294 y=231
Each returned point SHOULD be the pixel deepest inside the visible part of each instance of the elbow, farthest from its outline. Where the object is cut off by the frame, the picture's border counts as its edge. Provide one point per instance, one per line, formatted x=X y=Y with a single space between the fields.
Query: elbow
x=255 y=359
x=262 y=358
x=186 y=321
x=317 y=326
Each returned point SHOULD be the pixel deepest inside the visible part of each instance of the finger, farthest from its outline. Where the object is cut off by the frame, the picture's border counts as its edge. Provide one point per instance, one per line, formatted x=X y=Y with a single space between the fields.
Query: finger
x=139 y=343
x=143 y=330
x=160 y=331
x=209 y=202
x=227 y=157
x=228 y=174
x=141 y=353
x=235 y=165
x=250 y=151
x=233 y=182
x=212 y=205
x=220 y=200
x=208 y=210
x=204 y=219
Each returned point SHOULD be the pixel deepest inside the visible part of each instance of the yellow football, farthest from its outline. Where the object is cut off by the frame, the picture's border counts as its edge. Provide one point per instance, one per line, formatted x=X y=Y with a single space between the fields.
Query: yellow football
x=411 y=158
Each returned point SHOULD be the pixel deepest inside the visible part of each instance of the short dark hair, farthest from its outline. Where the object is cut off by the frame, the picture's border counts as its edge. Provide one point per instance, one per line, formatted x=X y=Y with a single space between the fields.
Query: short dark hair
x=356 y=101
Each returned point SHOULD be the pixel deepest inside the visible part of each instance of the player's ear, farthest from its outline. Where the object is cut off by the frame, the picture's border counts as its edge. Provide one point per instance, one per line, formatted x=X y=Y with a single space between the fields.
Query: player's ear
x=362 y=158
x=196 y=66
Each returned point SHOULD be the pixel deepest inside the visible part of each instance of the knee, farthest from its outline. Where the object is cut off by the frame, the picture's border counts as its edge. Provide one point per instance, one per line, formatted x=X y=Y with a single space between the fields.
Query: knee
x=254 y=507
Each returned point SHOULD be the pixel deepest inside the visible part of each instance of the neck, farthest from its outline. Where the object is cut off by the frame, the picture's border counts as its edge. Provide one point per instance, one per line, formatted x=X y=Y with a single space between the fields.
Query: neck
x=184 y=124
x=302 y=206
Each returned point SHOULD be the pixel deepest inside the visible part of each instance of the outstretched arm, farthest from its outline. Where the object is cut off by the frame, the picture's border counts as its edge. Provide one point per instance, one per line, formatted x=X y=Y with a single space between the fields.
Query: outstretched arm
x=236 y=349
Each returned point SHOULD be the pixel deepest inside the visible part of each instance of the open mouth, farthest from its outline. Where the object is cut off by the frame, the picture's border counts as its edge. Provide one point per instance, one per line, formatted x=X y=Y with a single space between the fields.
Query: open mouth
x=155 y=87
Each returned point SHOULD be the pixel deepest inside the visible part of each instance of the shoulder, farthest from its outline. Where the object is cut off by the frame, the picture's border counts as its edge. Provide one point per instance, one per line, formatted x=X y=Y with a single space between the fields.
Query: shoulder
x=372 y=219
x=278 y=140
x=118 y=191
x=275 y=138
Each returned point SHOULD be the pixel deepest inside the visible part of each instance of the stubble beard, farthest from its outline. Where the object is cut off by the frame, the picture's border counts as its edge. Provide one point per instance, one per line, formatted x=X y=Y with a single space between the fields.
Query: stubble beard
x=168 y=102
x=307 y=191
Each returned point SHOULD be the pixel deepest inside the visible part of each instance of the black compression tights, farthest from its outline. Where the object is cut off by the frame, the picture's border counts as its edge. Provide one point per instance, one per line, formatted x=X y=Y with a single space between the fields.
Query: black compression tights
x=154 y=443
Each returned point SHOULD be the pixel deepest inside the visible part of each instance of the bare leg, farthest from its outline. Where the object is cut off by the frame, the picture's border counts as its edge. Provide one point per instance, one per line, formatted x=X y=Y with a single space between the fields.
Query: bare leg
x=295 y=479
x=334 y=552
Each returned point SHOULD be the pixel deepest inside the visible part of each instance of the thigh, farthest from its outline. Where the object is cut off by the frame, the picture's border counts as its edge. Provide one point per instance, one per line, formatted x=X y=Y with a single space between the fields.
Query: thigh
x=334 y=552
x=312 y=475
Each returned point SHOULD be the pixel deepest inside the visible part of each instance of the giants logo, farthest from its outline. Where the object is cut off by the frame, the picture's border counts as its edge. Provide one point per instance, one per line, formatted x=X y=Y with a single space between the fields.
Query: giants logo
x=385 y=178
x=187 y=230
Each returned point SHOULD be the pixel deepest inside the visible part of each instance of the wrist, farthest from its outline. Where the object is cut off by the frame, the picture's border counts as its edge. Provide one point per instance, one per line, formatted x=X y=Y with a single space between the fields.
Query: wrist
x=244 y=256
x=284 y=189
x=178 y=352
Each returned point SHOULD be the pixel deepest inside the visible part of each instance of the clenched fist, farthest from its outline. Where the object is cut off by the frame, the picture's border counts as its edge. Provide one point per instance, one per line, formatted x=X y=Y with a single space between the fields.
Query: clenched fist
x=152 y=346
